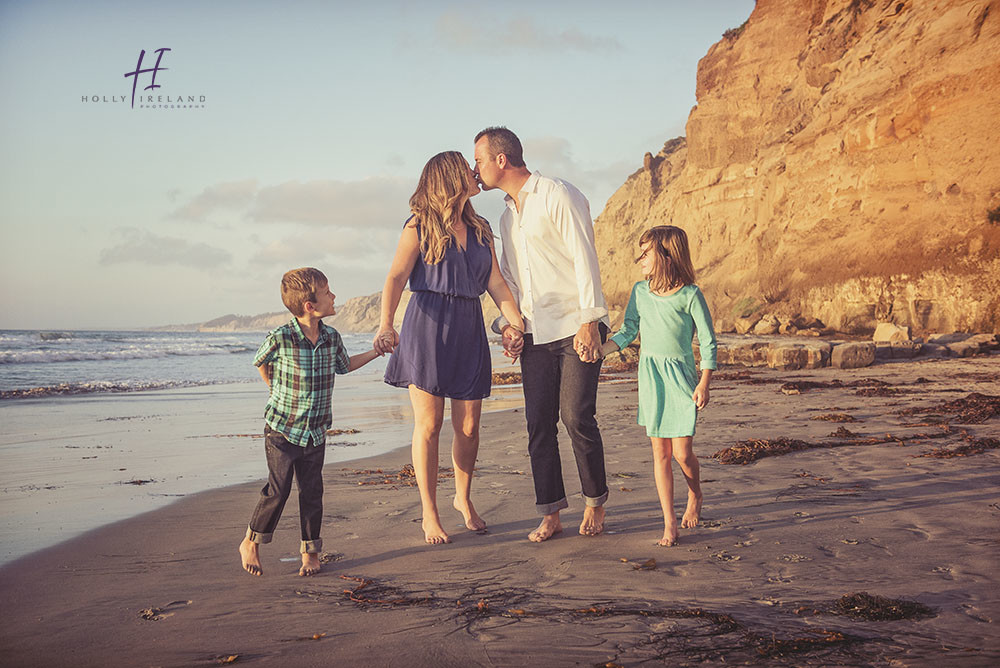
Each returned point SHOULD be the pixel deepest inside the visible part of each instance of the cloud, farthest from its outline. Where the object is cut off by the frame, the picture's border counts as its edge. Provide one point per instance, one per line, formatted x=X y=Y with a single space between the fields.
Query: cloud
x=146 y=248
x=459 y=32
x=230 y=195
x=374 y=202
x=553 y=156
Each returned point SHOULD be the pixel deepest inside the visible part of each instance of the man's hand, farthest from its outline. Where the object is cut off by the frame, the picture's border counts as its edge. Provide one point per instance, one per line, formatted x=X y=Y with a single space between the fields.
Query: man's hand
x=513 y=342
x=587 y=342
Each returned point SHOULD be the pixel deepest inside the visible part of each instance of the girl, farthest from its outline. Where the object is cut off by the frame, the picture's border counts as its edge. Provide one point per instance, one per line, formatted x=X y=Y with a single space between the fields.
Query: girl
x=666 y=308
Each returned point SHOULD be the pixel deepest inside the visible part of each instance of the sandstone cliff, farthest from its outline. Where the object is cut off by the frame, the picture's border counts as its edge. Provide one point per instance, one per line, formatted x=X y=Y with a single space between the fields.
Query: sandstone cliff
x=841 y=164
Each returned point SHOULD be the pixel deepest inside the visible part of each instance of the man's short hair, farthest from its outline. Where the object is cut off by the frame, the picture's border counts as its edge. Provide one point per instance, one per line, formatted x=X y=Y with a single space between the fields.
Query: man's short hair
x=299 y=286
x=502 y=140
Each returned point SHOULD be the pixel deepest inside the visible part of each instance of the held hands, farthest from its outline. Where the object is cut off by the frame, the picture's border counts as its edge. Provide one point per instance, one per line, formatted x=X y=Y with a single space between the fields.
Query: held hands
x=700 y=395
x=386 y=340
x=587 y=343
x=513 y=342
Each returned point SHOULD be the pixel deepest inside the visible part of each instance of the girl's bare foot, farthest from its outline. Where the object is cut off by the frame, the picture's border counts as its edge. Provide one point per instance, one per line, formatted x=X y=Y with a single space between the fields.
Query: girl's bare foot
x=549 y=527
x=472 y=519
x=434 y=533
x=250 y=557
x=593 y=521
x=693 y=511
x=670 y=536
x=310 y=564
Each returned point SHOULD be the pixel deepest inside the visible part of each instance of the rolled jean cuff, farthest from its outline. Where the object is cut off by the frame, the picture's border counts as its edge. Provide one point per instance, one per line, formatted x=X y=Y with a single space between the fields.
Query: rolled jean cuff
x=259 y=538
x=549 y=508
x=596 y=502
x=311 y=546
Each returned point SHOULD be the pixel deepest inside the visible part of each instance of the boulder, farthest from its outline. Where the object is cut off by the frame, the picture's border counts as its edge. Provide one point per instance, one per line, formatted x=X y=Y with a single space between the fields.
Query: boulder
x=986 y=342
x=817 y=354
x=905 y=349
x=852 y=355
x=749 y=353
x=963 y=348
x=934 y=350
x=945 y=339
x=769 y=324
x=887 y=332
x=786 y=356
x=744 y=324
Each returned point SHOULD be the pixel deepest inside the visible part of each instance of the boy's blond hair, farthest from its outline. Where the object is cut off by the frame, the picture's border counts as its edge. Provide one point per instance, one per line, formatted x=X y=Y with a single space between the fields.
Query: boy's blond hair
x=672 y=260
x=299 y=286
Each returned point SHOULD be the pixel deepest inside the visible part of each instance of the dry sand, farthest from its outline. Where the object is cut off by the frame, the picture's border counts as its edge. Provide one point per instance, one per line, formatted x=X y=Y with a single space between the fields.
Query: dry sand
x=782 y=540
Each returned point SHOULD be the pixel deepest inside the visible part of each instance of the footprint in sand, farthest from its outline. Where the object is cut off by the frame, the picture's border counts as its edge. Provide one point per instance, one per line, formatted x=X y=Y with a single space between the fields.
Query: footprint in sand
x=168 y=610
x=946 y=571
x=794 y=558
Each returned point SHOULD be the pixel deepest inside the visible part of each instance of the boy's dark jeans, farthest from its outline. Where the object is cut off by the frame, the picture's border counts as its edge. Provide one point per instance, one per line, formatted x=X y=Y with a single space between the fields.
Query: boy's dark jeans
x=284 y=461
x=557 y=382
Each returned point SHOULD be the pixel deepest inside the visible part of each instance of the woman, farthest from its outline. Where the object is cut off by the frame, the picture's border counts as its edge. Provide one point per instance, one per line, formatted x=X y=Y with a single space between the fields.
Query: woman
x=446 y=251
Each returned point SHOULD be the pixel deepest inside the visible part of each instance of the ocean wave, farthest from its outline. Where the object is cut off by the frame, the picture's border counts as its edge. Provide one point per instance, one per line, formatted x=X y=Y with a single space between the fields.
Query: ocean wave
x=131 y=353
x=104 y=387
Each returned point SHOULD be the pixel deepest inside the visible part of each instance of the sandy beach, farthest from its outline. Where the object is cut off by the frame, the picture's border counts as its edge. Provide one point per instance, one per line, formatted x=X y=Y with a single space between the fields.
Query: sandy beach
x=860 y=508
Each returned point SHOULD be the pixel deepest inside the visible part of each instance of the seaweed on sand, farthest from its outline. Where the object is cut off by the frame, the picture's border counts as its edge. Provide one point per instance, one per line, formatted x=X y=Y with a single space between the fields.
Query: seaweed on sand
x=872 y=607
x=974 y=408
x=976 y=446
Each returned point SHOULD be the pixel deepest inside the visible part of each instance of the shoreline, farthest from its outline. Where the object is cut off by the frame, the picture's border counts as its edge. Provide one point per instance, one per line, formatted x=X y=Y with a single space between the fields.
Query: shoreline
x=783 y=539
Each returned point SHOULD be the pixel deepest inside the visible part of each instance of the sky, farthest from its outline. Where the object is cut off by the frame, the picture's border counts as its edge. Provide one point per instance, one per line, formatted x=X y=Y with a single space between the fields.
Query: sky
x=309 y=126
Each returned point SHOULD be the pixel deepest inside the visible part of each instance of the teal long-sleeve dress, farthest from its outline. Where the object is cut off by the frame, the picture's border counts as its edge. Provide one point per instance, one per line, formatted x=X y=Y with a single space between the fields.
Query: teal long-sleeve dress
x=667 y=375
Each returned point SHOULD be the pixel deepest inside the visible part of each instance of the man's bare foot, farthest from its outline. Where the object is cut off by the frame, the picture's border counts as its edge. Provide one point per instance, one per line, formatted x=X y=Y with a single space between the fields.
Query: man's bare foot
x=693 y=512
x=472 y=519
x=593 y=521
x=670 y=536
x=310 y=564
x=251 y=557
x=434 y=533
x=549 y=527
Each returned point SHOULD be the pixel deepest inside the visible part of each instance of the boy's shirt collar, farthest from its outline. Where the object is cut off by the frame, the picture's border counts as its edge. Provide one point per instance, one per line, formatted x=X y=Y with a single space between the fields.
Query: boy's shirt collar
x=323 y=333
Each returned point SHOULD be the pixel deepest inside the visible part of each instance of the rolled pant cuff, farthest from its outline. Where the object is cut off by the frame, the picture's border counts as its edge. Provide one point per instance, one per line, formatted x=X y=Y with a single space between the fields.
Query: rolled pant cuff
x=549 y=508
x=596 y=503
x=311 y=546
x=259 y=538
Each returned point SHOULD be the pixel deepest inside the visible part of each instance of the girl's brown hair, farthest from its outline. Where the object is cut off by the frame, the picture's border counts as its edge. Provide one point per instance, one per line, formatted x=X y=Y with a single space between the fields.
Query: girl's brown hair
x=437 y=205
x=672 y=260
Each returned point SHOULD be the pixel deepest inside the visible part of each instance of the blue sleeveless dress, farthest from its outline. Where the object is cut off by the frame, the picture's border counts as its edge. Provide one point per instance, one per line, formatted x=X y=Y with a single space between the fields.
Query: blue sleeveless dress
x=442 y=341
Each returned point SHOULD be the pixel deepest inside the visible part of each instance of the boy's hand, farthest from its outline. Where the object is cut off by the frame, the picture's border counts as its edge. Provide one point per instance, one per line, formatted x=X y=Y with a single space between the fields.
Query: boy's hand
x=700 y=396
x=386 y=340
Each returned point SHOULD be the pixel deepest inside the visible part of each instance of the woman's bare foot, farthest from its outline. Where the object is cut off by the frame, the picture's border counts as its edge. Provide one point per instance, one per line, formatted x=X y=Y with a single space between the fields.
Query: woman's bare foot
x=670 y=536
x=310 y=564
x=593 y=521
x=693 y=512
x=434 y=533
x=549 y=527
x=250 y=557
x=472 y=519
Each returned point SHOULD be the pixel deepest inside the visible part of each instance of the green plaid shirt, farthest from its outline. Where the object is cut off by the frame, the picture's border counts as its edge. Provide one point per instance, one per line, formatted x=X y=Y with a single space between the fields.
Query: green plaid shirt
x=302 y=381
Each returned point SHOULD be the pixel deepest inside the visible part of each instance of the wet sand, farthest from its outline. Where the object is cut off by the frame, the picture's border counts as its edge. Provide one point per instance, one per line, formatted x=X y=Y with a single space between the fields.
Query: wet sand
x=782 y=540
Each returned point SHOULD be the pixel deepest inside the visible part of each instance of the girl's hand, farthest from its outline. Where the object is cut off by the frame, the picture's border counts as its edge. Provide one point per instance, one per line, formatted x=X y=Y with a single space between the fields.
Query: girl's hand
x=386 y=340
x=700 y=396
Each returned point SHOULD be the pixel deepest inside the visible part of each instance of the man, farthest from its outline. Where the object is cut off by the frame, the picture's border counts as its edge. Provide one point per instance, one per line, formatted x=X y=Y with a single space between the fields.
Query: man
x=550 y=263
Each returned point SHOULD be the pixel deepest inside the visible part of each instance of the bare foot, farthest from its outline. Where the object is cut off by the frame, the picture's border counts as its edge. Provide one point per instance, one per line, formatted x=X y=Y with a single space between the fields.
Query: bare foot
x=549 y=527
x=472 y=519
x=693 y=512
x=670 y=536
x=250 y=557
x=310 y=564
x=434 y=533
x=593 y=521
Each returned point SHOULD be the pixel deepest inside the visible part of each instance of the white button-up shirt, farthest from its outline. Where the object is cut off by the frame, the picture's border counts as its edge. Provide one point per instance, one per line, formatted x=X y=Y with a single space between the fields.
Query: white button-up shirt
x=549 y=259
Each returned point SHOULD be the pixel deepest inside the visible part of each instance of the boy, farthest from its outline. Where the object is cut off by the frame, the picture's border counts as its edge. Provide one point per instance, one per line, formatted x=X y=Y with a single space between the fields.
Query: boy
x=298 y=362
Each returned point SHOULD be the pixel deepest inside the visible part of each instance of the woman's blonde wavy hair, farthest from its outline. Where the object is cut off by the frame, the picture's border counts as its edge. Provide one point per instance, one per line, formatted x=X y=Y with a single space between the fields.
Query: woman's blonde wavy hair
x=437 y=205
x=672 y=267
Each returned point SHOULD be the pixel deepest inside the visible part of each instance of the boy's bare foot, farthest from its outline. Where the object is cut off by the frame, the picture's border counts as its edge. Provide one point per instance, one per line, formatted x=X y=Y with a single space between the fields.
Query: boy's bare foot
x=549 y=527
x=593 y=521
x=250 y=557
x=693 y=512
x=472 y=519
x=670 y=536
x=434 y=533
x=310 y=564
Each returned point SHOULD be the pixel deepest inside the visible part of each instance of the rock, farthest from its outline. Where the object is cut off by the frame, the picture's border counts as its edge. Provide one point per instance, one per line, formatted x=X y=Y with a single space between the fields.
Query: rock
x=818 y=166
x=786 y=357
x=811 y=331
x=886 y=332
x=852 y=355
x=749 y=353
x=986 y=342
x=905 y=349
x=934 y=350
x=767 y=325
x=787 y=326
x=746 y=323
x=817 y=354
x=945 y=339
x=963 y=348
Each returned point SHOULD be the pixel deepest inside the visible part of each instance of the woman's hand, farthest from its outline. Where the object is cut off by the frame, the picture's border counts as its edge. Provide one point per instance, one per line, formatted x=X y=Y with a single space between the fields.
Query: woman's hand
x=385 y=341
x=513 y=342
